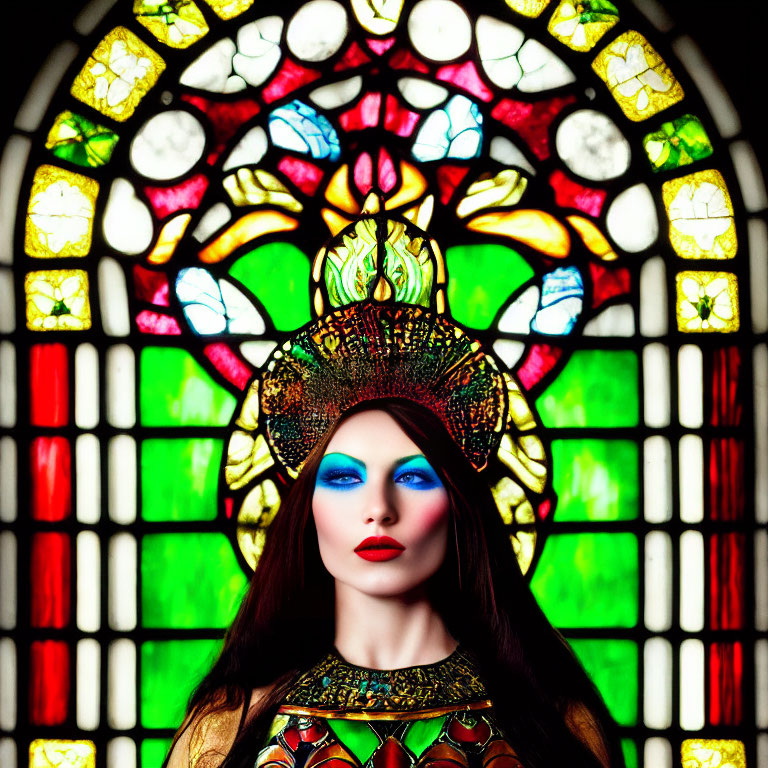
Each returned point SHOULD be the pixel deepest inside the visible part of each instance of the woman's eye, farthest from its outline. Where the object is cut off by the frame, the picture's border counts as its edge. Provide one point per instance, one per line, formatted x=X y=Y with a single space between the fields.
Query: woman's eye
x=340 y=478
x=418 y=479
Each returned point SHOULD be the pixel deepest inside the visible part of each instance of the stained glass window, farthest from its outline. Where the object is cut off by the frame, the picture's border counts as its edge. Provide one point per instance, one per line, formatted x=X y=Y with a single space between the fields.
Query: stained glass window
x=600 y=221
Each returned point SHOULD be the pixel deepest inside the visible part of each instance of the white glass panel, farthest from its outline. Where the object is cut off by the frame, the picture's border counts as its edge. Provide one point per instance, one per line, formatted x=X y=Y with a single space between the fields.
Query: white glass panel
x=691 y=479
x=88 y=473
x=122 y=479
x=8 y=565
x=7 y=302
x=692 y=685
x=657 y=480
x=762 y=750
x=8 y=755
x=439 y=29
x=113 y=298
x=760 y=370
x=317 y=30
x=122 y=582
x=657 y=683
x=121 y=753
x=212 y=220
x=618 y=320
x=690 y=397
x=91 y=14
x=121 y=387
x=653 y=297
x=8 y=468
x=658 y=581
x=657 y=753
x=7 y=384
x=8 y=688
x=631 y=219
x=656 y=385
x=88 y=676
x=88 y=581
x=168 y=145
x=86 y=386
x=121 y=691
x=761 y=683
x=758 y=273
x=761 y=581
x=691 y=581
x=749 y=175
x=592 y=146
x=12 y=166
x=335 y=94
x=503 y=151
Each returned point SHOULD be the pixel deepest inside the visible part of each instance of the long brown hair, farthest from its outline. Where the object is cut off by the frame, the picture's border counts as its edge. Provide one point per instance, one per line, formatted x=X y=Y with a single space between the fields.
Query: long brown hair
x=286 y=620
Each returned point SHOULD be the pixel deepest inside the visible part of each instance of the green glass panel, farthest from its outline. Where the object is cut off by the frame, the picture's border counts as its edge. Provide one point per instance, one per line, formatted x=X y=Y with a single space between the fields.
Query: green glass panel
x=78 y=140
x=179 y=478
x=357 y=736
x=189 y=580
x=678 y=142
x=421 y=733
x=176 y=391
x=153 y=752
x=612 y=665
x=474 y=298
x=629 y=748
x=596 y=388
x=170 y=669
x=588 y=579
x=595 y=479
x=278 y=275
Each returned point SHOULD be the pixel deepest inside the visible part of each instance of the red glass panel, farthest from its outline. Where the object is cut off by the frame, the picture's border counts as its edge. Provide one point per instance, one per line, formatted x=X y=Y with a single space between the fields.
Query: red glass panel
x=406 y=60
x=380 y=46
x=48 y=682
x=538 y=363
x=365 y=114
x=726 y=580
x=150 y=286
x=387 y=172
x=570 y=194
x=725 y=683
x=353 y=57
x=157 y=323
x=363 y=173
x=532 y=121
x=448 y=178
x=305 y=175
x=465 y=76
x=49 y=570
x=726 y=387
x=226 y=117
x=726 y=479
x=49 y=385
x=229 y=365
x=188 y=194
x=608 y=282
x=398 y=119
x=290 y=77
x=51 y=478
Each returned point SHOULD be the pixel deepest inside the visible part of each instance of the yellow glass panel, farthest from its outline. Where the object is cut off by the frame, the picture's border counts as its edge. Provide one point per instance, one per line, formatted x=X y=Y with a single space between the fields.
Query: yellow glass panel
x=538 y=229
x=707 y=301
x=118 y=74
x=637 y=76
x=700 y=211
x=177 y=23
x=338 y=192
x=334 y=221
x=525 y=457
x=593 y=238
x=249 y=413
x=256 y=514
x=60 y=213
x=249 y=227
x=247 y=458
x=228 y=9
x=520 y=415
x=58 y=753
x=505 y=188
x=421 y=214
x=57 y=300
x=255 y=187
x=412 y=187
x=579 y=28
x=168 y=239
x=515 y=509
x=713 y=753
x=530 y=8
x=380 y=17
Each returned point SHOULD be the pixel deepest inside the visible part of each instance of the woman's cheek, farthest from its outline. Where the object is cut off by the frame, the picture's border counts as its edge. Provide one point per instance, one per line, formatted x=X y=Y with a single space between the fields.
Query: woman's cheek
x=431 y=519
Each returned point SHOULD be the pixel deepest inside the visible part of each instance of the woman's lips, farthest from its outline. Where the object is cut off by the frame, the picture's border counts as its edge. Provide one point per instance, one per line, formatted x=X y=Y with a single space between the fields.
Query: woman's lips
x=379 y=548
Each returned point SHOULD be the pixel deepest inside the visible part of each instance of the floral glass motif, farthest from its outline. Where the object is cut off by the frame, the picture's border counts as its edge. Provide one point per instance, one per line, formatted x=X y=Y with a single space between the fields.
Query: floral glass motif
x=637 y=76
x=57 y=299
x=531 y=8
x=59 y=753
x=678 y=142
x=707 y=301
x=228 y=9
x=60 y=213
x=579 y=25
x=177 y=23
x=713 y=753
x=75 y=138
x=701 y=223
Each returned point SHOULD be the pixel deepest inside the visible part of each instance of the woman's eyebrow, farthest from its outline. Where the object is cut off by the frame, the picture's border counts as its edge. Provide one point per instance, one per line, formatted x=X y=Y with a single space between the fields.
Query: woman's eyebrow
x=406 y=459
x=352 y=459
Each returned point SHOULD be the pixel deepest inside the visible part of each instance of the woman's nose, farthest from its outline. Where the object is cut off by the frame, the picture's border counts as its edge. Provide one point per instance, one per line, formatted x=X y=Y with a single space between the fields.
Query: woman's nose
x=379 y=504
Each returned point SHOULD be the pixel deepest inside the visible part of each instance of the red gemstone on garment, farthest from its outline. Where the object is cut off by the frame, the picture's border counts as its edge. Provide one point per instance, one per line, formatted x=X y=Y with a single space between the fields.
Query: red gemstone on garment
x=608 y=282
x=448 y=178
x=292 y=738
x=477 y=733
x=353 y=57
x=305 y=175
x=187 y=195
x=48 y=682
x=531 y=120
x=51 y=478
x=466 y=77
x=570 y=194
x=313 y=732
x=290 y=77
x=49 y=385
x=50 y=572
x=391 y=754
x=229 y=365
x=150 y=286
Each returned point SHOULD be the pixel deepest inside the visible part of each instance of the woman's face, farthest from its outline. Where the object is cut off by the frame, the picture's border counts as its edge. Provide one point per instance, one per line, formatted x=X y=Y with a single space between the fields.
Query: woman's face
x=380 y=509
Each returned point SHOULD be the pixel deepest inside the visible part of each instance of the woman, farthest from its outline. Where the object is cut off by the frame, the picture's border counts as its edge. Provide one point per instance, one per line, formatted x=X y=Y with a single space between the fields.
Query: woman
x=433 y=625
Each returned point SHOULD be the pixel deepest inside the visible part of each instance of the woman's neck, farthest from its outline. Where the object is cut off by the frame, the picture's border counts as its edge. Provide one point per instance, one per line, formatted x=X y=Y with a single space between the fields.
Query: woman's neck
x=389 y=632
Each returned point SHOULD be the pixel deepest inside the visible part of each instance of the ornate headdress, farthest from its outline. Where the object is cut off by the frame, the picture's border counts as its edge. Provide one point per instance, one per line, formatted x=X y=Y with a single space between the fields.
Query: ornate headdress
x=378 y=291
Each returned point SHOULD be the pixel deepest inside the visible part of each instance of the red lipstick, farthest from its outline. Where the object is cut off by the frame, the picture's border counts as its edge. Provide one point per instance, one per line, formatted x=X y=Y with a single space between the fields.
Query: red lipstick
x=379 y=548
